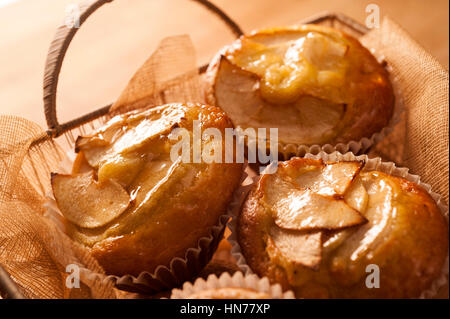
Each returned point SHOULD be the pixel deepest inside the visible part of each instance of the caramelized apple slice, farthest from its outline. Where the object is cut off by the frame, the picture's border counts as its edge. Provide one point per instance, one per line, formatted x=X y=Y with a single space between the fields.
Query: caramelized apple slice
x=330 y=180
x=132 y=134
x=87 y=203
x=151 y=174
x=321 y=50
x=147 y=130
x=311 y=63
x=356 y=196
x=80 y=165
x=381 y=214
x=131 y=140
x=303 y=209
x=302 y=248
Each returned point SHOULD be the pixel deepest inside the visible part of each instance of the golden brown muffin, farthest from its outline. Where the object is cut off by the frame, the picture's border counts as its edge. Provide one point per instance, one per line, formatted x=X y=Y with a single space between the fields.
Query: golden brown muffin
x=317 y=85
x=317 y=228
x=229 y=293
x=133 y=205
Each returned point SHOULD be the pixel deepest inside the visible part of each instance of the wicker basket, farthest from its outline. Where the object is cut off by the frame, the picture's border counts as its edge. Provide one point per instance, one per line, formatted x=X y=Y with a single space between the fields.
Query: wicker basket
x=57 y=51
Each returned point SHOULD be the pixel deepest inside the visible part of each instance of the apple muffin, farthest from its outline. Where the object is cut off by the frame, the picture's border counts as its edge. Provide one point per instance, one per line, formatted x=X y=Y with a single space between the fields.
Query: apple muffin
x=336 y=230
x=131 y=202
x=316 y=84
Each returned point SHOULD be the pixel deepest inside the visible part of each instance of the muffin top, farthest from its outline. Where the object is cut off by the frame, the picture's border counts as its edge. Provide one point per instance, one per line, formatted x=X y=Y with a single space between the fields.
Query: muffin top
x=315 y=84
x=320 y=228
x=135 y=204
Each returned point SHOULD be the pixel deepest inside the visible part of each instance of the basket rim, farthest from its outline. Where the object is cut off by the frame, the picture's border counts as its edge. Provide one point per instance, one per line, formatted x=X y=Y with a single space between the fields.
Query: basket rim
x=58 y=49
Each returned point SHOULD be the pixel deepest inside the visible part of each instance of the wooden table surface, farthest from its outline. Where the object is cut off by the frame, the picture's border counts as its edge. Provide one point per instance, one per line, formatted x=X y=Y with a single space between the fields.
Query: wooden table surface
x=120 y=36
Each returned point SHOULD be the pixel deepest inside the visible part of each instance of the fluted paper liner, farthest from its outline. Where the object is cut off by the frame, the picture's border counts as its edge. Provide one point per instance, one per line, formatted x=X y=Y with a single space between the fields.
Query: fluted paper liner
x=237 y=280
x=370 y=165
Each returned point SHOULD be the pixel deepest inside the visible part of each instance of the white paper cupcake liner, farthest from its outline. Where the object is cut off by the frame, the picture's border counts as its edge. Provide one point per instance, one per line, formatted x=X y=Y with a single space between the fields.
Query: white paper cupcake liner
x=370 y=165
x=237 y=280
x=164 y=277
x=289 y=150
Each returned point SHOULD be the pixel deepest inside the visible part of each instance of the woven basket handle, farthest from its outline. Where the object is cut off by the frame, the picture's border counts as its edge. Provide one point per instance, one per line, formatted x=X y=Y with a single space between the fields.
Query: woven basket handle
x=58 y=49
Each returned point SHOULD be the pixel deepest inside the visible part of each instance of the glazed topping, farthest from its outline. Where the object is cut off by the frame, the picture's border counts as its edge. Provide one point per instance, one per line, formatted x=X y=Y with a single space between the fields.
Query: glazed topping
x=308 y=120
x=329 y=180
x=310 y=228
x=378 y=209
x=311 y=64
x=301 y=208
x=126 y=161
x=126 y=134
x=356 y=196
x=402 y=227
x=304 y=249
x=312 y=83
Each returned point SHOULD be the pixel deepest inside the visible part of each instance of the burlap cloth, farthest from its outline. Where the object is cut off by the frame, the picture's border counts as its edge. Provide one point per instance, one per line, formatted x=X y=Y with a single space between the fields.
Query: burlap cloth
x=34 y=250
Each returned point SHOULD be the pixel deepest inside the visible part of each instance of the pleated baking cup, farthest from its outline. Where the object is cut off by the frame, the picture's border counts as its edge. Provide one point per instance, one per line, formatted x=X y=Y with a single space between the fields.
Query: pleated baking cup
x=237 y=280
x=289 y=150
x=164 y=277
x=371 y=164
